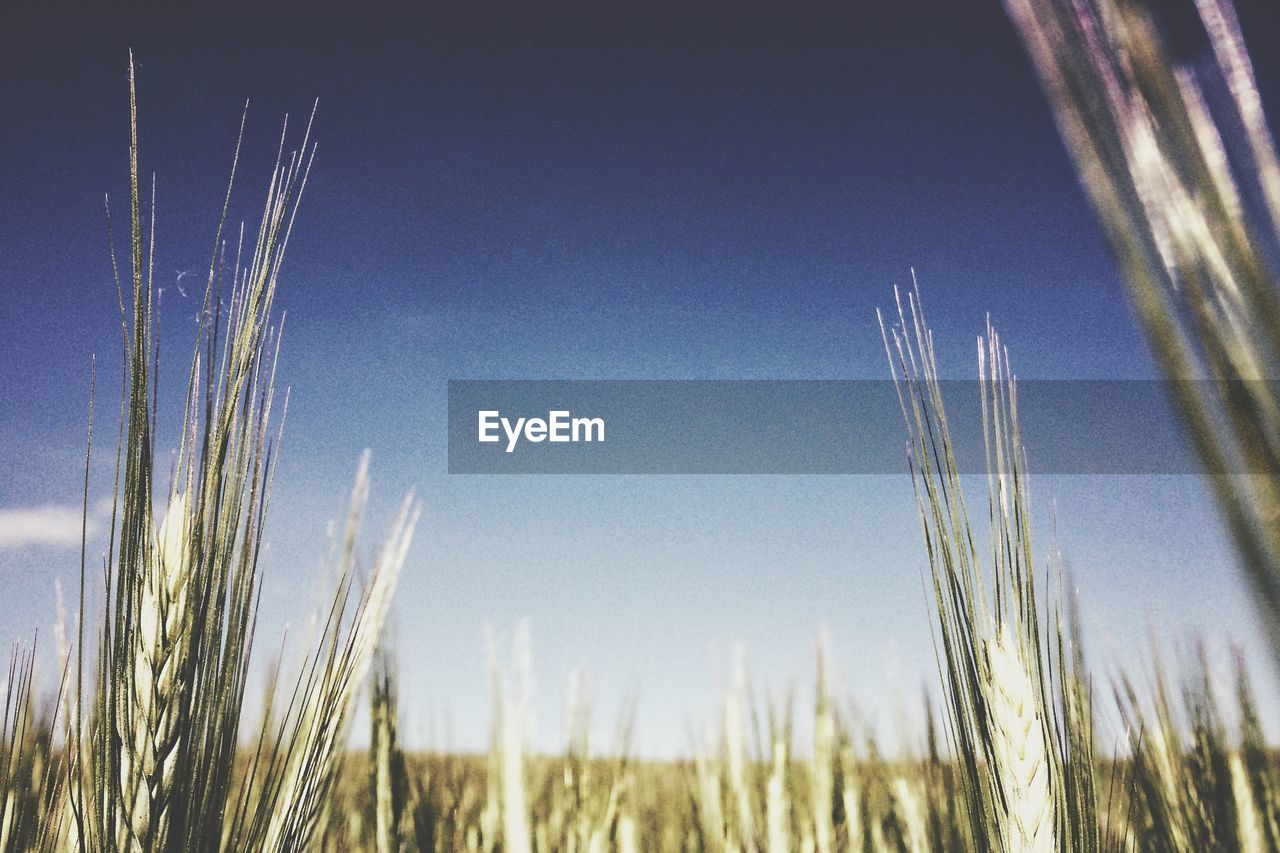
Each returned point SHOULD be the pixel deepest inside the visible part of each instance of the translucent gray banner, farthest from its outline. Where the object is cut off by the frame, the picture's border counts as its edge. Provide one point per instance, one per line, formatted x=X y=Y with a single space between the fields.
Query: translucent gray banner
x=795 y=427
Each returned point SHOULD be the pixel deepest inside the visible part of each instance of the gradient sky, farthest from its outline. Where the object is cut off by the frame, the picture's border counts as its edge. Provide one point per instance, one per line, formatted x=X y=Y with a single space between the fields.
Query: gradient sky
x=666 y=195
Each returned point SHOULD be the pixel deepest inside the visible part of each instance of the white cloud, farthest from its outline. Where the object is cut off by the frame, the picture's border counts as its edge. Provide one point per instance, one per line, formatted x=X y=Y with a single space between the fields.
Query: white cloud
x=51 y=526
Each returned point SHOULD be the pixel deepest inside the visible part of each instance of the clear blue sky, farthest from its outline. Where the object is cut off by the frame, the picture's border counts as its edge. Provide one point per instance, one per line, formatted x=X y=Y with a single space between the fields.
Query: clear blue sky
x=658 y=196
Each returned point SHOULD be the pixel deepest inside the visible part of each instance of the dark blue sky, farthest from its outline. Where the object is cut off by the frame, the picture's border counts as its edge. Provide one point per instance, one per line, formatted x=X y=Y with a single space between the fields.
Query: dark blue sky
x=718 y=193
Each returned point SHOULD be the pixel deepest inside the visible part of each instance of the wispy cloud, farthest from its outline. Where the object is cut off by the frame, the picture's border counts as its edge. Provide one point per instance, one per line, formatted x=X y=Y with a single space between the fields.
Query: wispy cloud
x=50 y=526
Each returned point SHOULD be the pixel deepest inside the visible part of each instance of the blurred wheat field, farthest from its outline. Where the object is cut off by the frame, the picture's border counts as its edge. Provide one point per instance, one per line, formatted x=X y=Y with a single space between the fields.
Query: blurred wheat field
x=144 y=745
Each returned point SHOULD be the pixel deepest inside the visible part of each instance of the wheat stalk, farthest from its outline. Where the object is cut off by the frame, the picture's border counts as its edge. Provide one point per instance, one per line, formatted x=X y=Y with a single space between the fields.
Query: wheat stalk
x=708 y=792
x=911 y=807
x=737 y=764
x=994 y=657
x=1249 y=820
x=515 y=815
x=289 y=812
x=627 y=835
x=777 y=804
x=851 y=800
x=822 y=772
x=388 y=764
x=506 y=818
x=154 y=755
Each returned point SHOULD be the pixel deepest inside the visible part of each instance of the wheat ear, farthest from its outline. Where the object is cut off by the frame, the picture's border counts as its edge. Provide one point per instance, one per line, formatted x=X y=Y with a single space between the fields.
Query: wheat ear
x=1022 y=770
x=150 y=729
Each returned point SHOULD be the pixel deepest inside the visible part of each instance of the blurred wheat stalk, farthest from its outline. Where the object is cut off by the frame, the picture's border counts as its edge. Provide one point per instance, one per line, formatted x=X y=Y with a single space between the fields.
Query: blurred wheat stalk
x=1178 y=193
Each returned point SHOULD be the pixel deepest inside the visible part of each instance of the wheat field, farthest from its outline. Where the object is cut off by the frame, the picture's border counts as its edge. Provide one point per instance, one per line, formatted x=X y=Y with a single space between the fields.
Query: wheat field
x=147 y=744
